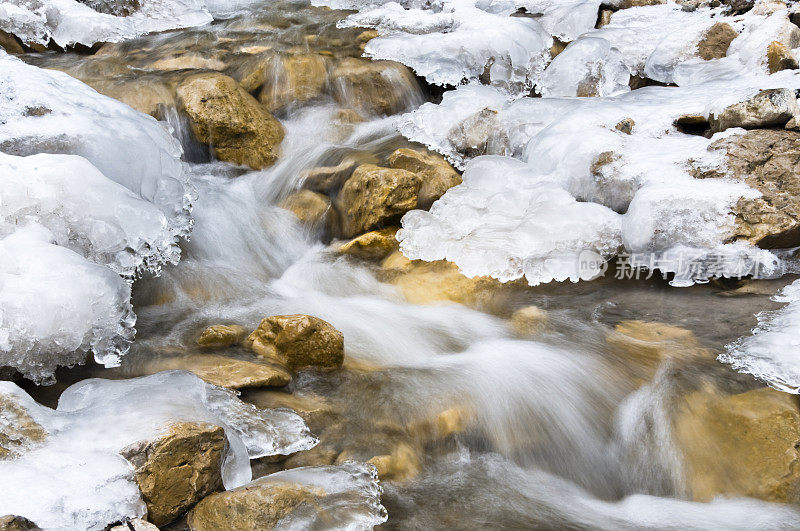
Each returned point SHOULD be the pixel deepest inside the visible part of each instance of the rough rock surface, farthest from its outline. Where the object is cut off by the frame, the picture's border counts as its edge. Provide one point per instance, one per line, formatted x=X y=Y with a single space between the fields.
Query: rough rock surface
x=767 y=160
x=780 y=57
x=740 y=445
x=17 y=429
x=768 y=108
x=373 y=245
x=178 y=469
x=325 y=179
x=226 y=372
x=137 y=524
x=17 y=523
x=295 y=79
x=376 y=87
x=224 y=116
x=437 y=174
x=298 y=341
x=715 y=42
x=252 y=507
x=221 y=336
x=375 y=196
x=311 y=208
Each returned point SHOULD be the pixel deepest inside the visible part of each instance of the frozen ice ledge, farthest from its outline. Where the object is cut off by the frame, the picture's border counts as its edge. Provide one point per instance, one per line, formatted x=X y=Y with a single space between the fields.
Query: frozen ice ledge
x=92 y=194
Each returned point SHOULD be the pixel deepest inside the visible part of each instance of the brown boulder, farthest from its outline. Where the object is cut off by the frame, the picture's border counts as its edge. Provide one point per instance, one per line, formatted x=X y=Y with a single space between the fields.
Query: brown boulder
x=767 y=160
x=178 y=469
x=259 y=505
x=780 y=57
x=17 y=523
x=375 y=196
x=225 y=372
x=294 y=79
x=375 y=87
x=740 y=445
x=311 y=208
x=10 y=43
x=437 y=174
x=224 y=116
x=768 y=108
x=529 y=321
x=374 y=245
x=298 y=341
x=716 y=41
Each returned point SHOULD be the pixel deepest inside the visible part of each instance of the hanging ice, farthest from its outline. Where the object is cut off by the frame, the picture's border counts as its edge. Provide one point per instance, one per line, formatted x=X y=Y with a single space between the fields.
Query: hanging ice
x=89 y=190
x=75 y=477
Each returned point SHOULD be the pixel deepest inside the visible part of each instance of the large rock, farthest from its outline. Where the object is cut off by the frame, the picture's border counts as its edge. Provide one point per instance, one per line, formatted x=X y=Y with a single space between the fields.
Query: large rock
x=294 y=79
x=437 y=174
x=18 y=431
x=373 y=245
x=224 y=116
x=768 y=161
x=482 y=133
x=232 y=373
x=780 y=57
x=740 y=445
x=376 y=87
x=716 y=41
x=298 y=341
x=17 y=523
x=255 y=506
x=768 y=108
x=311 y=208
x=178 y=469
x=373 y=197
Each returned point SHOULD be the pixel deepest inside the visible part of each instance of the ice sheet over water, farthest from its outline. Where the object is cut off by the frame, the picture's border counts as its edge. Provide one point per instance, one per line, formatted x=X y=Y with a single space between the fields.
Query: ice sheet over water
x=81 y=481
x=91 y=191
x=771 y=353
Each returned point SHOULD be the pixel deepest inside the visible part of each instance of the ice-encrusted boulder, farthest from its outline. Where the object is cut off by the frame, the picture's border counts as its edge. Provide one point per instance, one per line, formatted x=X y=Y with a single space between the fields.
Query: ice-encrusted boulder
x=92 y=194
x=76 y=478
x=344 y=496
x=589 y=66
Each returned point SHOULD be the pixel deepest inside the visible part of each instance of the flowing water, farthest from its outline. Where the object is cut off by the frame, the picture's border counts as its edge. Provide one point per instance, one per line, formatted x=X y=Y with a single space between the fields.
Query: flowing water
x=560 y=429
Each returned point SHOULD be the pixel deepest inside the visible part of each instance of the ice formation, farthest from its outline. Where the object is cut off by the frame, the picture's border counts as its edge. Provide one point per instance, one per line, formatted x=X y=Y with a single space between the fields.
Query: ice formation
x=82 y=212
x=770 y=354
x=623 y=169
x=80 y=479
x=351 y=500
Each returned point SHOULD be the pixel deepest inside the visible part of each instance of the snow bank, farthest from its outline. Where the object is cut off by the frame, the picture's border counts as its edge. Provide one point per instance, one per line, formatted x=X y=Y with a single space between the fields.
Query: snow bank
x=76 y=478
x=770 y=354
x=92 y=194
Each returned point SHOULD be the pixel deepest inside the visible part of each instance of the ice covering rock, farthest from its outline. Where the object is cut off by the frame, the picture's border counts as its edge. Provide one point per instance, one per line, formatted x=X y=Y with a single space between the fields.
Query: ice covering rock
x=645 y=179
x=76 y=478
x=589 y=66
x=770 y=354
x=92 y=194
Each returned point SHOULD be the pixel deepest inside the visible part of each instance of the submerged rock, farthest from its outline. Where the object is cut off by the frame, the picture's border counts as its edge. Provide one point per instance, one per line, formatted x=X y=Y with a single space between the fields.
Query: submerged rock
x=437 y=174
x=375 y=196
x=325 y=179
x=311 y=208
x=221 y=336
x=768 y=108
x=402 y=464
x=294 y=79
x=373 y=245
x=716 y=41
x=298 y=341
x=768 y=161
x=740 y=445
x=529 y=321
x=226 y=372
x=376 y=87
x=178 y=469
x=224 y=116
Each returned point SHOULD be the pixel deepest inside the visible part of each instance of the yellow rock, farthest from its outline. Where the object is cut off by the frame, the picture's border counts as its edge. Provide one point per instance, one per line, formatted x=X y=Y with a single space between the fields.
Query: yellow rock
x=179 y=469
x=716 y=41
x=221 y=336
x=373 y=245
x=740 y=445
x=18 y=430
x=529 y=321
x=311 y=208
x=257 y=506
x=375 y=196
x=224 y=116
x=437 y=174
x=186 y=62
x=298 y=341
x=401 y=465
x=225 y=372
x=294 y=79
x=375 y=87
x=780 y=57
